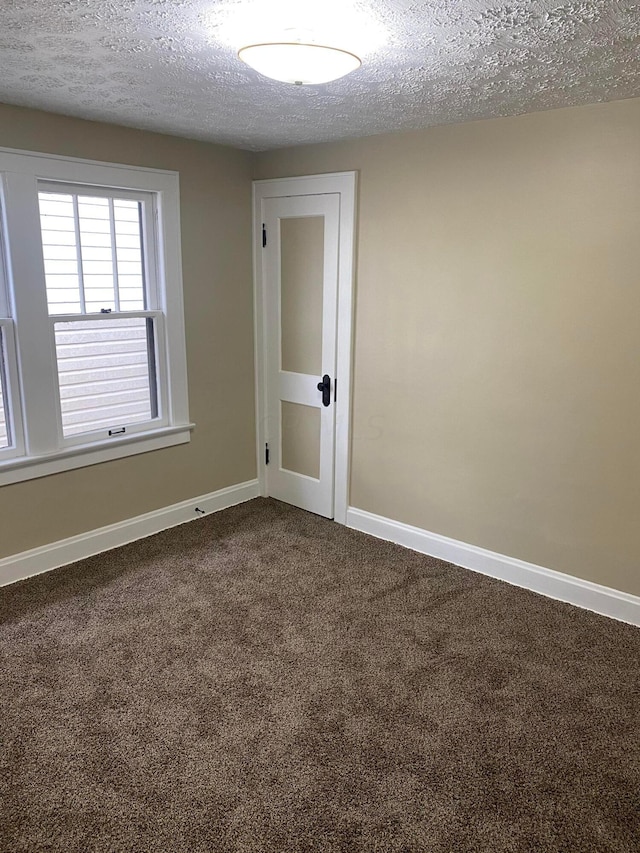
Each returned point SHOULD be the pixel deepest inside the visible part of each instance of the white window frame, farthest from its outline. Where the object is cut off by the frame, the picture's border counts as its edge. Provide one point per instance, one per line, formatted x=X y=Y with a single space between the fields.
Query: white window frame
x=12 y=398
x=33 y=400
x=154 y=296
x=9 y=357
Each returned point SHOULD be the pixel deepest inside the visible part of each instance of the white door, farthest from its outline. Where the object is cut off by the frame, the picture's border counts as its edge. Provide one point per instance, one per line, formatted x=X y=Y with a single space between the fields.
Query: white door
x=300 y=269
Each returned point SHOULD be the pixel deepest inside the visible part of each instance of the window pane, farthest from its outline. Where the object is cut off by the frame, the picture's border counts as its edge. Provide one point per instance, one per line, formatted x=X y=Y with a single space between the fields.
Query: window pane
x=5 y=438
x=93 y=253
x=106 y=373
x=58 y=229
x=129 y=254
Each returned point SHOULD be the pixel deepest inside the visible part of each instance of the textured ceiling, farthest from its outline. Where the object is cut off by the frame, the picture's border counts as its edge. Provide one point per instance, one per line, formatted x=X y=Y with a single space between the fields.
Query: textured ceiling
x=171 y=66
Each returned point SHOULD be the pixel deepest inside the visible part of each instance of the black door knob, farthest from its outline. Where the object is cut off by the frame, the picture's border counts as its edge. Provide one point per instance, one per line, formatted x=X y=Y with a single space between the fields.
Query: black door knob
x=325 y=387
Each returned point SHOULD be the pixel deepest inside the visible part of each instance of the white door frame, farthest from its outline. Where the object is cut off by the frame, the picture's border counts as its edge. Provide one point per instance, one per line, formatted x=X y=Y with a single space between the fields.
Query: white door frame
x=345 y=184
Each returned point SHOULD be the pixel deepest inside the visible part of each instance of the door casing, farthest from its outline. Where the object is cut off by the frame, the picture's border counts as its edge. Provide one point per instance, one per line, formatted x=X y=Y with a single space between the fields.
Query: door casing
x=344 y=184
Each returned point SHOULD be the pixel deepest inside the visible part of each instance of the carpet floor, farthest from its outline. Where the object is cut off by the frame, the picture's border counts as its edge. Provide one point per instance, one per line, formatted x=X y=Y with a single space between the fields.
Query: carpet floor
x=265 y=680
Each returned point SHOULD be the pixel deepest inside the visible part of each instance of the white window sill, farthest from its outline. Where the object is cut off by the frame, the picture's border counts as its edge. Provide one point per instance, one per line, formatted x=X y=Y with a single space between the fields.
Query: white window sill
x=30 y=467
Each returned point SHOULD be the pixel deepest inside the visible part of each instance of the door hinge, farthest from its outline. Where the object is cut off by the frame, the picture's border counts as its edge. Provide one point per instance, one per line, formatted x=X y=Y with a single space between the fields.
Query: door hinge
x=264 y=235
x=266 y=454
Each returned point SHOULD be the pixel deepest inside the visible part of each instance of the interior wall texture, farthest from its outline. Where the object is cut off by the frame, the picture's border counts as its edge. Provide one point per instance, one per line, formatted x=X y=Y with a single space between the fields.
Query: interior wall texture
x=215 y=188
x=497 y=341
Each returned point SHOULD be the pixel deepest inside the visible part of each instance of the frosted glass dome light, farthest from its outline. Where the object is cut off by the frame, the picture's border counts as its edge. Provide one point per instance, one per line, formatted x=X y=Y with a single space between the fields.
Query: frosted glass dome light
x=298 y=63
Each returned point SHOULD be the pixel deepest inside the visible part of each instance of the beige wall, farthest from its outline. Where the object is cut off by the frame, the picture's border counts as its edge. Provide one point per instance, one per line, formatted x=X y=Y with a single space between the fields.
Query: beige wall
x=497 y=356
x=216 y=243
x=498 y=301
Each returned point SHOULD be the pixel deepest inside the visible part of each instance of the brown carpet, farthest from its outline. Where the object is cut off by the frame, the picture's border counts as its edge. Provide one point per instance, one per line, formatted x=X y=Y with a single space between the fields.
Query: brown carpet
x=266 y=680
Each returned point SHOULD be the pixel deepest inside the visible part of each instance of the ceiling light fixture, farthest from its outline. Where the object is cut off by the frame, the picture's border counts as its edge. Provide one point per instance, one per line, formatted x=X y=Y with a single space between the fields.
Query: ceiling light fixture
x=299 y=63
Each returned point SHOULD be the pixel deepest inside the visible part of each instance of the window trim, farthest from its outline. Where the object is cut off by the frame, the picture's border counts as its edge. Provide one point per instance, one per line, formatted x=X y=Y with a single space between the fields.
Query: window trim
x=12 y=402
x=22 y=173
x=21 y=468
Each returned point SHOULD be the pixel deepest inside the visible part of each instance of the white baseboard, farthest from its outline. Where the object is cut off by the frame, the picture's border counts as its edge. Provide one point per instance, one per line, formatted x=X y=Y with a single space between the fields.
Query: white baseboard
x=582 y=593
x=47 y=557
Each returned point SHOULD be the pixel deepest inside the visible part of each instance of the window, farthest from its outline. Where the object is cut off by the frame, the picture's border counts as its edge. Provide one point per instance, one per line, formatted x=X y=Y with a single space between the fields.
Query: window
x=92 y=361
x=5 y=435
